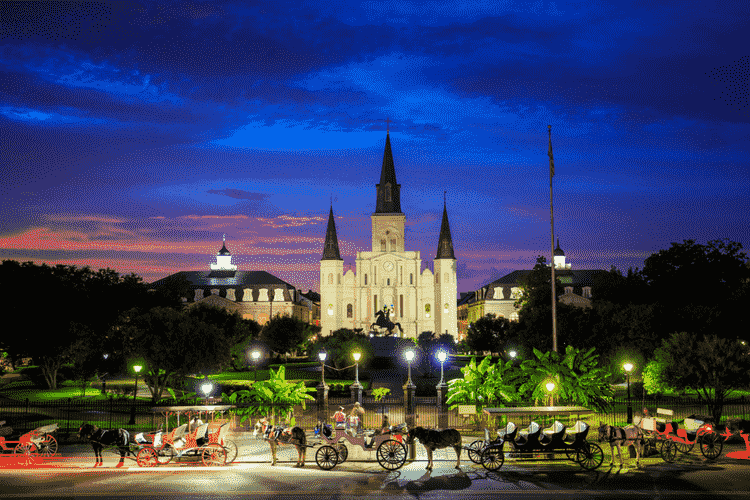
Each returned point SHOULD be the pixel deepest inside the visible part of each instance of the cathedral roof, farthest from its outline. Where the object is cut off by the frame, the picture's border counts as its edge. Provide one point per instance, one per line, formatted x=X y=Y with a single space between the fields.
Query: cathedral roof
x=445 y=243
x=331 y=247
x=388 y=192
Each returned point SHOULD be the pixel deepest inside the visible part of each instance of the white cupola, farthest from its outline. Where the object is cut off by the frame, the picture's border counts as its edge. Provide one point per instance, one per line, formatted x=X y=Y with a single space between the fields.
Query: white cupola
x=223 y=259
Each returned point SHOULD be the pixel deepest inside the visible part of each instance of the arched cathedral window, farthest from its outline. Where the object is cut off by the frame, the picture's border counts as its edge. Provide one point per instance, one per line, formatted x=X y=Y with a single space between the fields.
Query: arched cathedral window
x=330 y=278
x=349 y=311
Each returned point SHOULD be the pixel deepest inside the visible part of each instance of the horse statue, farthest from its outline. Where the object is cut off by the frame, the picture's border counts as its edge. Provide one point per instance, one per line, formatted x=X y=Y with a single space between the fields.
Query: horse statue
x=382 y=321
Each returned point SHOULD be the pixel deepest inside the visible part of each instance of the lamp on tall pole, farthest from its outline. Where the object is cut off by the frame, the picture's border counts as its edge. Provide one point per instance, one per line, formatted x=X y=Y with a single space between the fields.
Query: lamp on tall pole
x=409 y=358
x=322 y=357
x=255 y=355
x=136 y=368
x=442 y=356
x=550 y=387
x=356 y=356
x=628 y=368
x=207 y=387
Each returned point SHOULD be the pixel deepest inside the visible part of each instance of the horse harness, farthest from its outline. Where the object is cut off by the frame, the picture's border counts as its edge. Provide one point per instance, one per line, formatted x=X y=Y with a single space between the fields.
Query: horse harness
x=613 y=431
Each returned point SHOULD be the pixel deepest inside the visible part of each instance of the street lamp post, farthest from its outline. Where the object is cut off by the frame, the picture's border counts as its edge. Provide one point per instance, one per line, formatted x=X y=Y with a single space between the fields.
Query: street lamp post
x=255 y=355
x=322 y=389
x=550 y=387
x=207 y=387
x=628 y=368
x=442 y=356
x=136 y=368
x=322 y=357
x=442 y=388
x=104 y=376
x=409 y=358
x=356 y=388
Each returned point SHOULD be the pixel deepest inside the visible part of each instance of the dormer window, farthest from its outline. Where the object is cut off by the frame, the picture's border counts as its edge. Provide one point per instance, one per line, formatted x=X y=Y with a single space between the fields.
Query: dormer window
x=587 y=292
x=568 y=289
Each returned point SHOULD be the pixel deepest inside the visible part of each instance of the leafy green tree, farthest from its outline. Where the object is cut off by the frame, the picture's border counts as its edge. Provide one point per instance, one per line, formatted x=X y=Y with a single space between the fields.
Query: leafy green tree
x=488 y=333
x=488 y=384
x=174 y=343
x=577 y=377
x=273 y=398
x=339 y=347
x=712 y=366
x=285 y=334
x=240 y=333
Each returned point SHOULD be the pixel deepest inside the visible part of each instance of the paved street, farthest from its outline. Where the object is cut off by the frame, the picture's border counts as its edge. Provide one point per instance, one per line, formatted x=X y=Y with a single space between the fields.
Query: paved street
x=252 y=476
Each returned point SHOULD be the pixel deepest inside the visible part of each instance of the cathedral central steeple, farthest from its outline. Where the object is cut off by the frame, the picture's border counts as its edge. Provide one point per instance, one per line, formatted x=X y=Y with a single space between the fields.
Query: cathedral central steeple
x=388 y=192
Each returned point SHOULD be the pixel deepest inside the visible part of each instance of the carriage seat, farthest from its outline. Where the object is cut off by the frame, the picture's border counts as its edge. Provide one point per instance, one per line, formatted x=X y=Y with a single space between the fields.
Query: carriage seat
x=531 y=432
x=551 y=433
x=201 y=436
x=572 y=432
x=506 y=434
x=178 y=436
x=691 y=428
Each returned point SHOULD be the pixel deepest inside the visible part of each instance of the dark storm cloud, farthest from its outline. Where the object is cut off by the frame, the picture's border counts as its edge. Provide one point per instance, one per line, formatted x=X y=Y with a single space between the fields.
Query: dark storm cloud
x=239 y=194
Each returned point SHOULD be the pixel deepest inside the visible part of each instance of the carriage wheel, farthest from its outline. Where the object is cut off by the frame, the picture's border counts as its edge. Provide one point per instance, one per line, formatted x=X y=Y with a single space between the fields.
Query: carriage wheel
x=326 y=457
x=571 y=454
x=231 y=448
x=684 y=448
x=711 y=446
x=475 y=451
x=165 y=454
x=590 y=455
x=668 y=451
x=391 y=454
x=213 y=455
x=493 y=457
x=343 y=453
x=48 y=446
x=27 y=452
x=147 y=457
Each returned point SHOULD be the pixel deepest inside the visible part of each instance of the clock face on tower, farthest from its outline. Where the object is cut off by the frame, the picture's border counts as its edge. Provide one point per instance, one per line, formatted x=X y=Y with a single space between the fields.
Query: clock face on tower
x=388 y=265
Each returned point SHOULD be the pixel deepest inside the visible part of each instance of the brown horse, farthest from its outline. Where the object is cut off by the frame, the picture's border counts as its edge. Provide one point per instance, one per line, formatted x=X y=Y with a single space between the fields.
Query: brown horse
x=276 y=435
x=100 y=438
x=433 y=439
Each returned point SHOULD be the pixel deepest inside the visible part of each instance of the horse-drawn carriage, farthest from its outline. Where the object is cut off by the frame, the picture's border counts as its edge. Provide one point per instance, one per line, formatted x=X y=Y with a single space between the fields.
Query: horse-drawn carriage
x=536 y=443
x=664 y=433
x=388 y=444
x=207 y=441
x=37 y=443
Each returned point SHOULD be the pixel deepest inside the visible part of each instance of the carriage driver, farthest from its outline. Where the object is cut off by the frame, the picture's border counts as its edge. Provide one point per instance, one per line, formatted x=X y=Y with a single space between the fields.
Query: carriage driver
x=358 y=412
x=340 y=418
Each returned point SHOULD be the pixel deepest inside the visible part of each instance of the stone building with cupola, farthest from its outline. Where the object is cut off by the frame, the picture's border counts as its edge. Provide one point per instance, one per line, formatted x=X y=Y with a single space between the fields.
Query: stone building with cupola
x=499 y=296
x=256 y=295
x=388 y=276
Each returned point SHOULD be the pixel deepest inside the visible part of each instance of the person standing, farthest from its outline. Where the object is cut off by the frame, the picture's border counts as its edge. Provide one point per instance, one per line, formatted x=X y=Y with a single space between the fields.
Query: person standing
x=339 y=418
x=359 y=412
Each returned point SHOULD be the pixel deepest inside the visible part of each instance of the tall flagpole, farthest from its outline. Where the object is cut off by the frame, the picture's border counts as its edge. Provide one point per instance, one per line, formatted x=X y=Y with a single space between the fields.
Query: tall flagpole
x=552 y=229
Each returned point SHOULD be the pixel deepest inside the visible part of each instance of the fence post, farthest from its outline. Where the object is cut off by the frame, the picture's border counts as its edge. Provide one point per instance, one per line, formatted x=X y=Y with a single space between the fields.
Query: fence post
x=409 y=411
x=110 y=412
x=442 y=391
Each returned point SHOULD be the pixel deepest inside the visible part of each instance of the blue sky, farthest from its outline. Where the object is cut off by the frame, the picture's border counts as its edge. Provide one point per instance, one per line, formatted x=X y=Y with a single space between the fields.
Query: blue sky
x=136 y=134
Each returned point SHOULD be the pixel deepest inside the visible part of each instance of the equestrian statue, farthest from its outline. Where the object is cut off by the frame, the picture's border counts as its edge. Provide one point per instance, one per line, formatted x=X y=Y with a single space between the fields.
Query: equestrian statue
x=382 y=321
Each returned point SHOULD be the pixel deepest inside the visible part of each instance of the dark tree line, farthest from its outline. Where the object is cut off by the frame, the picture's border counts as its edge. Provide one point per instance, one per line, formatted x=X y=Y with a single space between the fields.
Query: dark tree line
x=689 y=287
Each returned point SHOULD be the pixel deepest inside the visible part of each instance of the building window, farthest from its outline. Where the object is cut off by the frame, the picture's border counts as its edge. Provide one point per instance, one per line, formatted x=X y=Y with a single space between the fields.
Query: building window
x=365 y=278
x=393 y=245
x=375 y=274
x=382 y=245
x=330 y=278
x=401 y=274
x=427 y=310
x=401 y=305
x=387 y=192
x=375 y=307
x=568 y=289
x=411 y=278
x=587 y=292
x=349 y=311
x=339 y=278
x=388 y=282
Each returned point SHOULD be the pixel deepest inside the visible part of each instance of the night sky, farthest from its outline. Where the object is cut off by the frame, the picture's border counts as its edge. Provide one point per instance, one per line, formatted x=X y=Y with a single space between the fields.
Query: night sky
x=133 y=135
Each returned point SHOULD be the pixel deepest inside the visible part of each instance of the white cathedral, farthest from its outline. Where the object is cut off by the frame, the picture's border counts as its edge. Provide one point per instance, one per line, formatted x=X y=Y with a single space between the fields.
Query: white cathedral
x=389 y=276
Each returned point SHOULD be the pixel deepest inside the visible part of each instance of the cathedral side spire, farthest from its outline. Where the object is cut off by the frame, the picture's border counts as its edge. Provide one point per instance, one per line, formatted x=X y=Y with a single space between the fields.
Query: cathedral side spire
x=331 y=247
x=388 y=192
x=445 y=244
